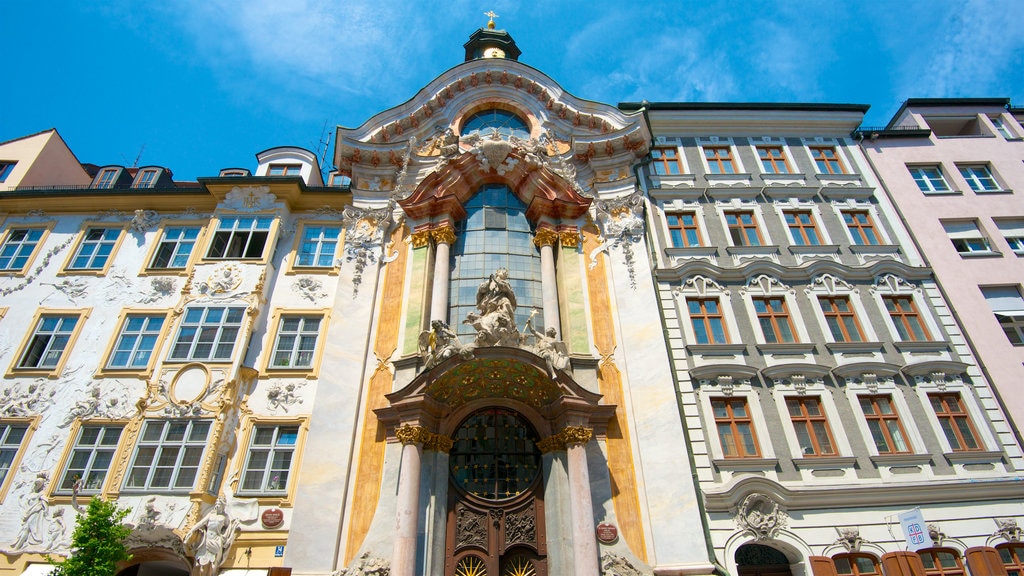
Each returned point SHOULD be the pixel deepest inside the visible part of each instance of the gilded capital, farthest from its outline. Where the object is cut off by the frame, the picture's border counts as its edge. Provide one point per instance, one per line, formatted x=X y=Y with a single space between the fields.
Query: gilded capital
x=576 y=435
x=420 y=239
x=545 y=237
x=551 y=444
x=570 y=238
x=439 y=443
x=445 y=234
x=407 y=434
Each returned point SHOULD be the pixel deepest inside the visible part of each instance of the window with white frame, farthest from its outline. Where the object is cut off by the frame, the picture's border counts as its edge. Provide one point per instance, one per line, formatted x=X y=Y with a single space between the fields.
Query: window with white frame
x=884 y=424
x=48 y=341
x=802 y=228
x=861 y=226
x=742 y=228
x=665 y=161
x=168 y=455
x=1001 y=127
x=12 y=434
x=841 y=318
x=295 y=343
x=146 y=178
x=955 y=422
x=979 y=177
x=773 y=160
x=929 y=178
x=18 y=247
x=773 y=317
x=208 y=333
x=318 y=246
x=827 y=160
x=95 y=248
x=106 y=178
x=720 y=159
x=136 y=341
x=811 y=426
x=240 y=237
x=908 y=322
x=1012 y=230
x=708 y=320
x=175 y=247
x=683 y=229
x=967 y=237
x=90 y=458
x=6 y=167
x=1008 y=306
x=735 y=427
x=269 y=461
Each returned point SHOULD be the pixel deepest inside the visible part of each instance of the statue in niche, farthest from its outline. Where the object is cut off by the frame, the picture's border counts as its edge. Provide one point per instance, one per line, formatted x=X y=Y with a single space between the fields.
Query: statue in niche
x=549 y=347
x=441 y=343
x=496 y=323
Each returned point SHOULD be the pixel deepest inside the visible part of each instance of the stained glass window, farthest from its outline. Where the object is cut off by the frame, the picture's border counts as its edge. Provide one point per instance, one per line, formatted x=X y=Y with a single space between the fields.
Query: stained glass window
x=495 y=455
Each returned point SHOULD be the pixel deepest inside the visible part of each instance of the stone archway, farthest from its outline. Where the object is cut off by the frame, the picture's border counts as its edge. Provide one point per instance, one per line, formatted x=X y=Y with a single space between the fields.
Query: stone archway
x=761 y=560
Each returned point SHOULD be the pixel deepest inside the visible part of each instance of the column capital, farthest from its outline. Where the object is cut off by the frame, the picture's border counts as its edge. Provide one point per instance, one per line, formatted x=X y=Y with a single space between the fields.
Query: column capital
x=420 y=238
x=569 y=436
x=545 y=237
x=570 y=237
x=407 y=434
x=438 y=443
x=444 y=233
x=551 y=444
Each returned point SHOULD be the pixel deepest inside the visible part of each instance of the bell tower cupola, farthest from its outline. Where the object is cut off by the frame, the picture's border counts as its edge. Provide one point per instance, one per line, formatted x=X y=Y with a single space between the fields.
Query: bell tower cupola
x=491 y=43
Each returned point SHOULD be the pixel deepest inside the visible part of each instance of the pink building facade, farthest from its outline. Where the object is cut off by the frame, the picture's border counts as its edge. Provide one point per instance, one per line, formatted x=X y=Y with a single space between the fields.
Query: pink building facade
x=955 y=170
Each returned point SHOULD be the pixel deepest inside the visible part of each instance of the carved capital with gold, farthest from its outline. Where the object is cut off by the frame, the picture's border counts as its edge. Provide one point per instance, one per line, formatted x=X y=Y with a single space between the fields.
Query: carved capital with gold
x=445 y=234
x=438 y=443
x=407 y=434
x=551 y=444
x=420 y=239
x=570 y=238
x=545 y=237
x=576 y=435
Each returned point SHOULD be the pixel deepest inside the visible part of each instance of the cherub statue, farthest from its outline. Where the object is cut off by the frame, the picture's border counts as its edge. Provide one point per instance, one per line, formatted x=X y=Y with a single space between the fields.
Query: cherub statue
x=549 y=347
x=441 y=343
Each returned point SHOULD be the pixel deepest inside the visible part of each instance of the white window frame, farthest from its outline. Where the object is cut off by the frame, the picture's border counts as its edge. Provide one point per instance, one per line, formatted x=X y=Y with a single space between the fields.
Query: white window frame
x=1012 y=231
x=177 y=246
x=929 y=183
x=234 y=228
x=893 y=285
x=1001 y=128
x=716 y=142
x=138 y=338
x=6 y=167
x=272 y=449
x=95 y=260
x=747 y=393
x=320 y=241
x=968 y=234
x=769 y=142
x=976 y=181
x=885 y=388
x=158 y=445
x=831 y=286
x=106 y=179
x=815 y=387
x=146 y=178
x=1008 y=311
x=196 y=319
x=87 y=473
x=20 y=245
x=299 y=335
x=765 y=286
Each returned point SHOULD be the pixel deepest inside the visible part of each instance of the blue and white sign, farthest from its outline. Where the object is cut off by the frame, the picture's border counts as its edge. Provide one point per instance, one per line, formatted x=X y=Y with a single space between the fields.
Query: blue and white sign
x=278 y=551
x=915 y=530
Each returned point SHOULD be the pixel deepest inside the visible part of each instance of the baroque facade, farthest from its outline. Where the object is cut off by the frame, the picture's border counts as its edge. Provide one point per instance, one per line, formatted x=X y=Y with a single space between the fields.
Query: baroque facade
x=515 y=332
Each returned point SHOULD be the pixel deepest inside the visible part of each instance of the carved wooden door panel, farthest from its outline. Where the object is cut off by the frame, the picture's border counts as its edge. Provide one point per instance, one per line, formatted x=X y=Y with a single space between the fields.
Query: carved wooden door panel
x=496 y=541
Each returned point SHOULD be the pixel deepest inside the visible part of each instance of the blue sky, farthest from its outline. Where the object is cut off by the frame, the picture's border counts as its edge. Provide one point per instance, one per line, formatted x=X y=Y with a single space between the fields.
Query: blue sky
x=200 y=85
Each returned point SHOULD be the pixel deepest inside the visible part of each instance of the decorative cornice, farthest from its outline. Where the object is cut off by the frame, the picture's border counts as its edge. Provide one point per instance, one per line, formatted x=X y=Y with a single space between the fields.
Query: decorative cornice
x=407 y=434
x=420 y=238
x=545 y=237
x=444 y=234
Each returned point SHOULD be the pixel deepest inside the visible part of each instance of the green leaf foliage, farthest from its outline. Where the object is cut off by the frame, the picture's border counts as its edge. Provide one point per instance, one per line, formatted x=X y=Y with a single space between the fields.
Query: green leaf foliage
x=97 y=544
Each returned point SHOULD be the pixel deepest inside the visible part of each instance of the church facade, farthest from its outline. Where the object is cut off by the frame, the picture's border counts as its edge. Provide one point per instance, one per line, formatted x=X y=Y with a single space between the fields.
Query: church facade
x=514 y=333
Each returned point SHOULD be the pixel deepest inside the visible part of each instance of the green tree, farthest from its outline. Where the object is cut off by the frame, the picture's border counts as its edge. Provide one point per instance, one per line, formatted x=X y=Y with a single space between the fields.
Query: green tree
x=97 y=544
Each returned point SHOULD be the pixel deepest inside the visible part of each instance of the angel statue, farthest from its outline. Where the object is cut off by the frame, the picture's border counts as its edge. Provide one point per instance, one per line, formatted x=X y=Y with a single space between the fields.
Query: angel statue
x=441 y=343
x=549 y=347
x=216 y=533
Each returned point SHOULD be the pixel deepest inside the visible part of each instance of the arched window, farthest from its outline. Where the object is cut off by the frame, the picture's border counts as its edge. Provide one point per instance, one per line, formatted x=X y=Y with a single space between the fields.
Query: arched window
x=856 y=565
x=494 y=455
x=1012 y=556
x=761 y=560
x=495 y=234
x=505 y=122
x=941 y=562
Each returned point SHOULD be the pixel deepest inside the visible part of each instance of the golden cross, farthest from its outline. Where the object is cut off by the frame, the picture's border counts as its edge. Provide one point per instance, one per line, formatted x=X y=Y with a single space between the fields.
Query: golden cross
x=490 y=14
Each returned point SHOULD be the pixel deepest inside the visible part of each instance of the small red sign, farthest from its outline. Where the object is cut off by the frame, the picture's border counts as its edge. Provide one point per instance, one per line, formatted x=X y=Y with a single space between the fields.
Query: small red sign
x=272 y=518
x=607 y=533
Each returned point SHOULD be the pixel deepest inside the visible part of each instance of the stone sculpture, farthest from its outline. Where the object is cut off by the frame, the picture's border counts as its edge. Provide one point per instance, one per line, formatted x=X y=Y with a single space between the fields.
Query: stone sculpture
x=216 y=532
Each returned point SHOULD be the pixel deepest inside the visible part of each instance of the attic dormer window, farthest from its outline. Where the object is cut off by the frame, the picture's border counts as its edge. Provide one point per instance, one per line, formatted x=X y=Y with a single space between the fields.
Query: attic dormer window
x=106 y=178
x=285 y=170
x=145 y=179
x=505 y=122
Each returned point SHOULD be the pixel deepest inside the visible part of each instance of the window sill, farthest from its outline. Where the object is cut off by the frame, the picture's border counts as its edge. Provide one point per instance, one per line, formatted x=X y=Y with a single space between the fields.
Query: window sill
x=684 y=251
x=875 y=248
x=320 y=270
x=901 y=459
x=921 y=345
x=1000 y=191
x=820 y=462
x=988 y=254
x=748 y=250
x=752 y=463
x=308 y=373
x=124 y=372
x=165 y=272
x=42 y=373
x=974 y=456
x=667 y=184
x=97 y=272
x=787 y=348
x=853 y=347
x=13 y=273
x=716 y=349
x=814 y=248
x=784 y=188
x=950 y=192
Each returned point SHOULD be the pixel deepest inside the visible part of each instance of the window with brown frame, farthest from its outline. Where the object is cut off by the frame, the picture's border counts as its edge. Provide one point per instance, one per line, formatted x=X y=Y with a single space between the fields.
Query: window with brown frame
x=955 y=422
x=773 y=160
x=827 y=160
x=284 y=170
x=884 y=424
x=683 y=229
x=856 y=565
x=1012 y=556
x=773 y=316
x=665 y=161
x=841 y=318
x=719 y=160
x=861 y=227
x=941 y=562
x=708 y=321
x=735 y=428
x=811 y=425
x=802 y=228
x=743 y=228
x=904 y=315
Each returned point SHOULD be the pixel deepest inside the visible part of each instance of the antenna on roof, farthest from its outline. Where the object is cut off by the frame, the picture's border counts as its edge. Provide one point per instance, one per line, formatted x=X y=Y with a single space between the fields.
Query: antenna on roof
x=321 y=152
x=139 y=157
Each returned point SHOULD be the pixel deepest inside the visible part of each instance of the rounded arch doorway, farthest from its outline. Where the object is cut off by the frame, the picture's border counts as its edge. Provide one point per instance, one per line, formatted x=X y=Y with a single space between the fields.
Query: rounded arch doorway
x=761 y=560
x=496 y=507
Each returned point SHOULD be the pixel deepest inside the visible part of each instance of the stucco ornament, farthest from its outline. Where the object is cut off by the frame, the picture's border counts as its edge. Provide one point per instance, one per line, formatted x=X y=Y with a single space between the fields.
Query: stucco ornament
x=83 y=409
x=159 y=288
x=215 y=533
x=71 y=288
x=849 y=538
x=309 y=288
x=249 y=198
x=281 y=396
x=622 y=226
x=1007 y=529
x=441 y=343
x=366 y=565
x=221 y=281
x=760 y=516
x=364 y=234
x=615 y=565
x=43 y=263
x=15 y=402
x=34 y=513
x=143 y=220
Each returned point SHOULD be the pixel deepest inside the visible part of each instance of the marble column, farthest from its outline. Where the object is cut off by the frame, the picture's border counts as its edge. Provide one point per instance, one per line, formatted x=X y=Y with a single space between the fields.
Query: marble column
x=546 y=239
x=584 y=538
x=443 y=237
x=403 y=558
